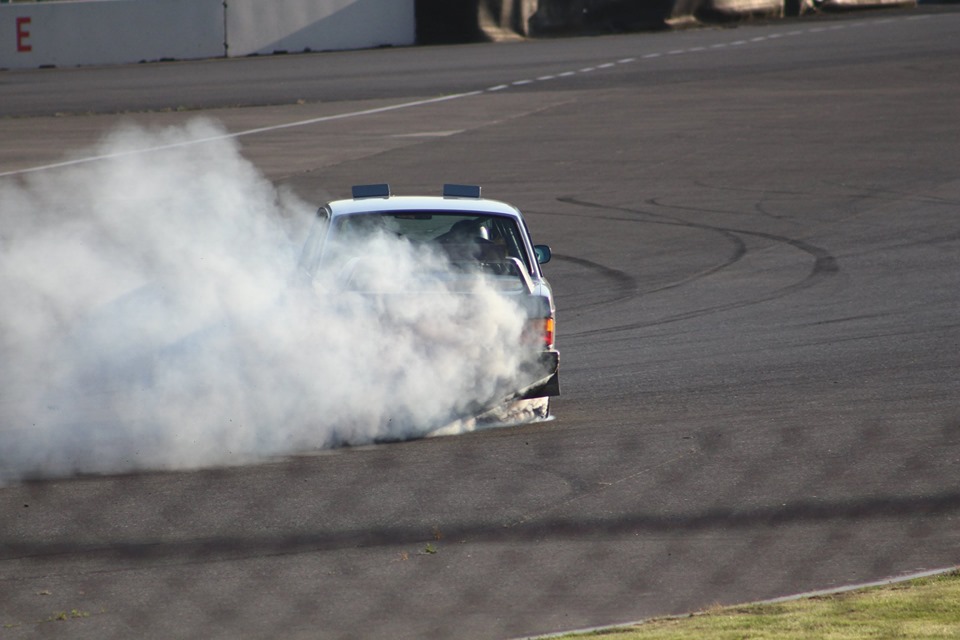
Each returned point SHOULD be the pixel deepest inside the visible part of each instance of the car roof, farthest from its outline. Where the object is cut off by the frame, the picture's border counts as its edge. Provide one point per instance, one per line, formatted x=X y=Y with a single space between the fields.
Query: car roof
x=421 y=203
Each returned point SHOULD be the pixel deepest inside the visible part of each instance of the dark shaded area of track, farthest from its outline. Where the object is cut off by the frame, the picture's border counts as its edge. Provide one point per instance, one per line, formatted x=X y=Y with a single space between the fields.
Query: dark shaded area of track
x=758 y=254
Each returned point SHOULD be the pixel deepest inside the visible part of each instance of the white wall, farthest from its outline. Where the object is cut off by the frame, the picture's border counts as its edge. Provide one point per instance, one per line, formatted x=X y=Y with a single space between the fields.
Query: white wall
x=66 y=34
x=109 y=32
x=266 y=26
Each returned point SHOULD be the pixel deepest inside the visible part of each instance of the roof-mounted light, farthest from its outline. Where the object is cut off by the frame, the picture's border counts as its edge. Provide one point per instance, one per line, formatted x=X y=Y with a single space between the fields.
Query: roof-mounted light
x=461 y=191
x=371 y=191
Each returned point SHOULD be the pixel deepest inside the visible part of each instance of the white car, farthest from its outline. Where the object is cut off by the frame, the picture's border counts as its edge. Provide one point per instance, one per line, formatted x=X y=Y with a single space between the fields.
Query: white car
x=476 y=236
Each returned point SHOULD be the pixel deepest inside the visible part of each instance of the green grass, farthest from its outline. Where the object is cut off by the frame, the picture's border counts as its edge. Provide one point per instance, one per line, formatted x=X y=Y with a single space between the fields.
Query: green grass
x=916 y=609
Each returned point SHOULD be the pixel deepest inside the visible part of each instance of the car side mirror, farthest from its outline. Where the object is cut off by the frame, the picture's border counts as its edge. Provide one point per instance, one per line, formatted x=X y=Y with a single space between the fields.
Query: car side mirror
x=543 y=253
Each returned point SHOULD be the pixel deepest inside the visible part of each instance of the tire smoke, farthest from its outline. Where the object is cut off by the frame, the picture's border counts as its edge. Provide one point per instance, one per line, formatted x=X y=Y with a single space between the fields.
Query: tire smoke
x=153 y=318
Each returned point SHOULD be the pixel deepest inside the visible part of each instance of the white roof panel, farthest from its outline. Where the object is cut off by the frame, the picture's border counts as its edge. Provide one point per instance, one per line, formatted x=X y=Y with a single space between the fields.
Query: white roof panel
x=422 y=203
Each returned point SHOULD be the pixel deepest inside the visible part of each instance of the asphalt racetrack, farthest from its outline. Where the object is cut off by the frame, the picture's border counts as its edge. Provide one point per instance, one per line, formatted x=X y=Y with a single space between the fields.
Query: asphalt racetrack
x=756 y=234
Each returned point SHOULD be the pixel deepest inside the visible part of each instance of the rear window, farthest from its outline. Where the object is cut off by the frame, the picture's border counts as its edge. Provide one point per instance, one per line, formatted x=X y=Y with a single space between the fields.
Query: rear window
x=461 y=236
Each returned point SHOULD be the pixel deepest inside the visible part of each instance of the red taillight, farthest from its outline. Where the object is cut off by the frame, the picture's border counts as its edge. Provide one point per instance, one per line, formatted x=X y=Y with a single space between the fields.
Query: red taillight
x=540 y=331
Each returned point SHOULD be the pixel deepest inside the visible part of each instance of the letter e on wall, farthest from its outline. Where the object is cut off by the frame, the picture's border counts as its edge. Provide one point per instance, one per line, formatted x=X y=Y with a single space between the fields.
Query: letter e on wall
x=23 y=34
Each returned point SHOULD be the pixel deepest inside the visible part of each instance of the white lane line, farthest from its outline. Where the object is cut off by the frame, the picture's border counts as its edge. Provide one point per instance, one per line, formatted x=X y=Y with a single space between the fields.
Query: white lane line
x=719 y=45
x=247 y=132
x=429 y=134
x=417 y=103
x=677 y=52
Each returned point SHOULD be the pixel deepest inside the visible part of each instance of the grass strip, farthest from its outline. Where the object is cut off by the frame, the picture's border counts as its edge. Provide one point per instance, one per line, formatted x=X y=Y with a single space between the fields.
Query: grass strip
x=924 y=608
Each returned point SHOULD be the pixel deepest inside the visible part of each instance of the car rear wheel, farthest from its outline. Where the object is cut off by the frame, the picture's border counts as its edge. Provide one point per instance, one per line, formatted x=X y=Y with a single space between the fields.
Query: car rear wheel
x=518 y=412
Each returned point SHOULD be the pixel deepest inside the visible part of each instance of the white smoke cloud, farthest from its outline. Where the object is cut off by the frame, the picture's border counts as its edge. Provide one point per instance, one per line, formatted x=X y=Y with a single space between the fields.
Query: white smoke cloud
x=152 y=319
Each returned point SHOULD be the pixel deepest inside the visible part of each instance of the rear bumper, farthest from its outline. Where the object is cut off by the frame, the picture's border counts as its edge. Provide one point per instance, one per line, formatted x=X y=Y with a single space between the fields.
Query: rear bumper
x=547 y=375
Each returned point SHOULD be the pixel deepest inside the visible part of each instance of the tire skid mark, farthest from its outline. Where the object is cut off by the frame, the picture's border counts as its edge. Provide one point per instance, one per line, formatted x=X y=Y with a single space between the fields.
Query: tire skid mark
x=739 y=252
x=764 y=210
x=848 y=191
x=740 y=247
x=741 y=189
x=824 y=265
x=824 y=261
x=625 y=284
x=881 y=193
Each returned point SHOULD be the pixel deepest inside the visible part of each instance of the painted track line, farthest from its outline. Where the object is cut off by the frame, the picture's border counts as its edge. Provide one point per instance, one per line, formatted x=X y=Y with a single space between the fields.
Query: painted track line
x=247 y=132
x=493 y=89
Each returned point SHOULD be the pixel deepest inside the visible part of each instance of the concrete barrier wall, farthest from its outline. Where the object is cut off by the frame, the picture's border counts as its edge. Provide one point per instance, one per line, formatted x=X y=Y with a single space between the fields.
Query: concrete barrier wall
x=545 y=17
x=108 y=32
x=269 y=26
x=93 y=32
x=85 y=32
x=606 y=16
